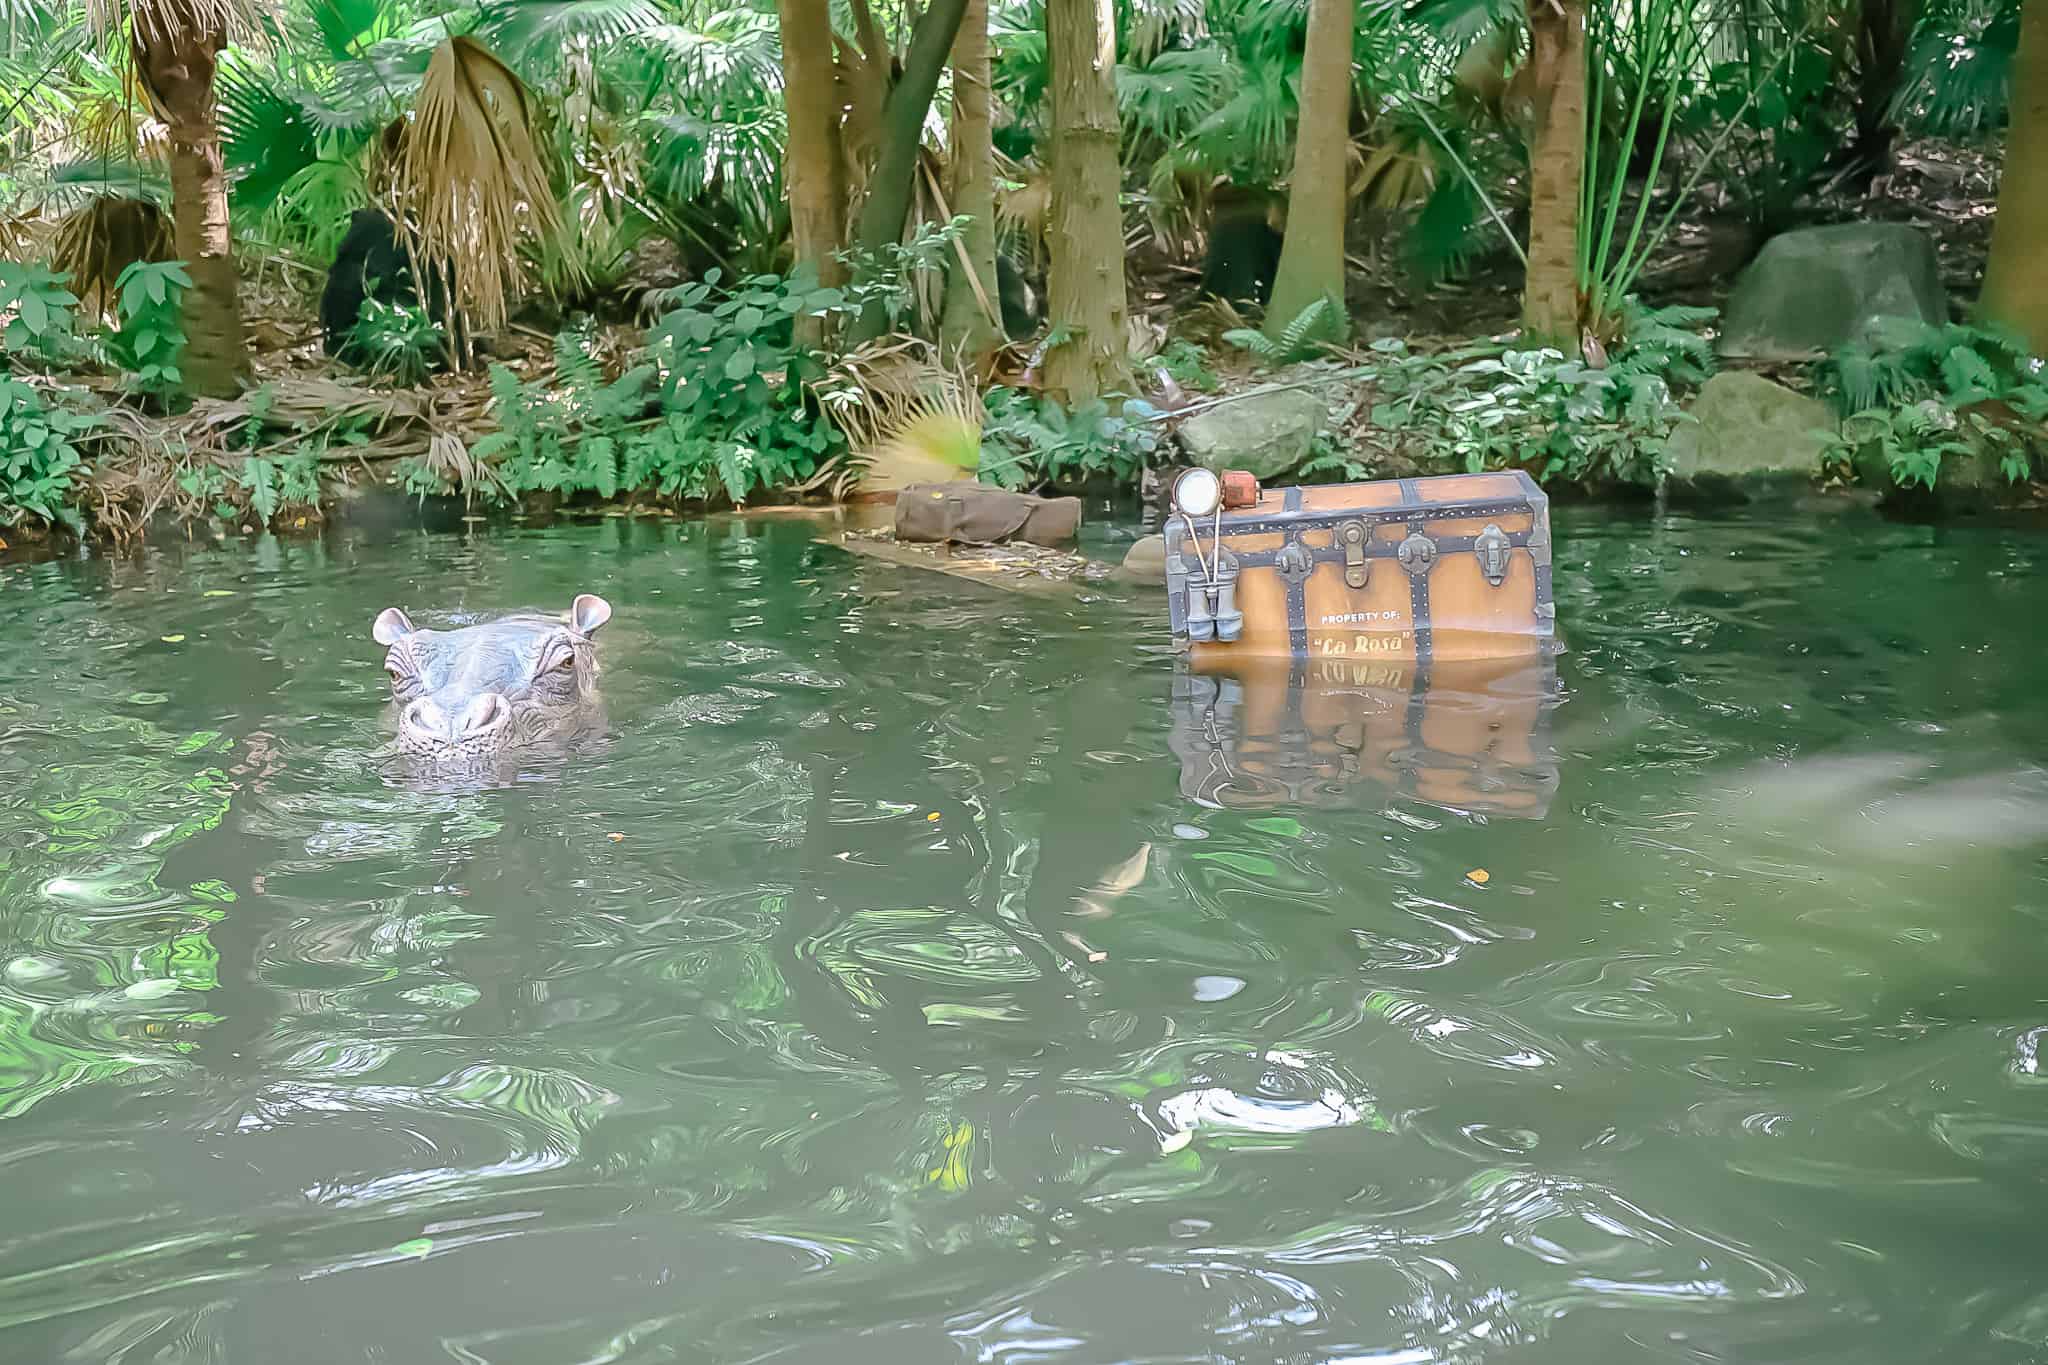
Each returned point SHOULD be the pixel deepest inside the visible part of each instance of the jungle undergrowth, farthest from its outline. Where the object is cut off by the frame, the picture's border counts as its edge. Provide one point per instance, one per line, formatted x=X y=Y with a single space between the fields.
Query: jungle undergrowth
x=1916 y=399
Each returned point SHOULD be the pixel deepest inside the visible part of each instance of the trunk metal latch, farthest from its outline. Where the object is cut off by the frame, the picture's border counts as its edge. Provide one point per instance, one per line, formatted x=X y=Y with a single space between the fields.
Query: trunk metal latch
x=1417 y=553
x=1491 y=547
x=1351 y=535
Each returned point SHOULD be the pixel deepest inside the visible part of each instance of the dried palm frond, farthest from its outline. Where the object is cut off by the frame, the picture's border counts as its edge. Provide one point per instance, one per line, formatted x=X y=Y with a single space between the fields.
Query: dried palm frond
x=473 y=177
x=1024 y=205
x=937 y=437
x=94 y=244
x=1398 y=173
x=907 y=415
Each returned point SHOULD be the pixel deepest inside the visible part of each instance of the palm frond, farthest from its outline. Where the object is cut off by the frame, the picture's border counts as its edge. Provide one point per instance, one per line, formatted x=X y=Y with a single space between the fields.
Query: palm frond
x=266 y=137
x=533 y=35
x=1253 y=130
x=95 y=243
x=738 y=55
x=1959 y=70
x=472 y=176
x=1460 y=23
x=72 y=184
x=1448 y=230
x=1145 y=28
x=1163 y=100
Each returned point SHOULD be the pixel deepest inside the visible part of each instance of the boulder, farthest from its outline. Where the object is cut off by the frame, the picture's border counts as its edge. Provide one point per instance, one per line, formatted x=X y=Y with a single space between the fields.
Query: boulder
x=1265 y=433
x=1815 y=289
x=1145 y=561
x=1748 y=437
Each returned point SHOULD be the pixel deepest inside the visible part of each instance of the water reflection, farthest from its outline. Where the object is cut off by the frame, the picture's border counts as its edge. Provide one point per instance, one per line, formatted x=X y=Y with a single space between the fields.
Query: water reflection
x=880 y=993
x=1471 y=737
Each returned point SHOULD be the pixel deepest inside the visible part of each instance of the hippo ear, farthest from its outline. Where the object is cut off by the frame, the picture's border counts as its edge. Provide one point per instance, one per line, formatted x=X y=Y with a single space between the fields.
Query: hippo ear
x=588 y=612
x=392 y=626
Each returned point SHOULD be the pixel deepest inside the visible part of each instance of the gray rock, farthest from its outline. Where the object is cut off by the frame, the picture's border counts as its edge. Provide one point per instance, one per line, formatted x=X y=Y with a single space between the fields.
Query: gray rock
x=1145 y=561
x=1748 y=438
x=1815 y=289
x=1267 y=434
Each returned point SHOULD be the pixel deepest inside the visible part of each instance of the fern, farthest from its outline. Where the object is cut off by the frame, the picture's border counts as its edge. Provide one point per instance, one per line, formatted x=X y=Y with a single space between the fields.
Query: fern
x=576 y=370
x=1311 y=328
x=1664 y=342
x=735 y=469
x=1967 y=374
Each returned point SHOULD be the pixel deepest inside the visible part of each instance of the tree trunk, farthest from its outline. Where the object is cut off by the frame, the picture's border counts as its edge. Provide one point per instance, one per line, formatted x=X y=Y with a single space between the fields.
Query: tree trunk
x=1557 y=164
x=1312 y=254
x=176 y=60
x=2013 y=278
x=1884 y=33
x=894 y=180
x=967 y=327
x=1086 y=291
x=815 y=172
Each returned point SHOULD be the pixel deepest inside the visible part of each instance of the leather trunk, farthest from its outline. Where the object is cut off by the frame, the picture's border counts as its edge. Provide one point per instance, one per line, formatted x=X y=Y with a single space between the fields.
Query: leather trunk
x=1437 y=569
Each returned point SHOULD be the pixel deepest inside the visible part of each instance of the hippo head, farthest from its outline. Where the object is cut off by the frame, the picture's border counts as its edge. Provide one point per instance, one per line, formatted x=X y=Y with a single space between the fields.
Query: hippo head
x=478 y=690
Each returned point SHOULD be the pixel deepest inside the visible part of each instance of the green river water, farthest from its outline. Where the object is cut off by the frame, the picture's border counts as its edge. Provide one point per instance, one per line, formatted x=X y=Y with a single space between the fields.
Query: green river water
x=881 y=992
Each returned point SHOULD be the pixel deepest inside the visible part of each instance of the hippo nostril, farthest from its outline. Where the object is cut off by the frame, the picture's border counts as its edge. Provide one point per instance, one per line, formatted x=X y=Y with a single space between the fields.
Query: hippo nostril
x=426 y=718
x=488 y=712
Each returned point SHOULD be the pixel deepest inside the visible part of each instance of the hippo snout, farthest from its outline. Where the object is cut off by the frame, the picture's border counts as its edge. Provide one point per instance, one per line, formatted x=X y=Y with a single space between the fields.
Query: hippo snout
x=480 y=720
x=483 y=689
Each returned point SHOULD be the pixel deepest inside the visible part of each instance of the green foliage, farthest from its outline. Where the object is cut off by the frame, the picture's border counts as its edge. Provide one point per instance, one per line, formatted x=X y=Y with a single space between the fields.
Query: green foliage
x=1313 y=329
x=398 y=341
x=560 y=437
x=1958 y=74
x=39 y=313
x=1903 y=360
x=273 y=484
x=151 y=335
x=1916 y=398
x=1030 y=440
x=718 y=407
x=888 y=279
x=1562 y=420
x=38 y=455
x=728 y=362
x=1187 y=364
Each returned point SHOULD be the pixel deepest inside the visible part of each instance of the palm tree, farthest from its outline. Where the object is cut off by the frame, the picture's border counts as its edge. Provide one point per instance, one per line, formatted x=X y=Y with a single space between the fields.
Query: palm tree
x=969 y=324
x=176 y=45
x=2013 y=292
x=1086 y=292
x=1312 y=255
x=816 y=171
x=1557 y=161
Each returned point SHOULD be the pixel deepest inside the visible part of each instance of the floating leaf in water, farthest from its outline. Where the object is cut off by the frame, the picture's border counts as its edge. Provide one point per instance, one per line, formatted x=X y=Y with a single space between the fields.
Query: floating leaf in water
x=1251 y=864
x=954 y=1173
x=1479 y=876
x=417 y=1248
x=616 y=837
x=172 y=639
x=1277 y=824
x=216 y=592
